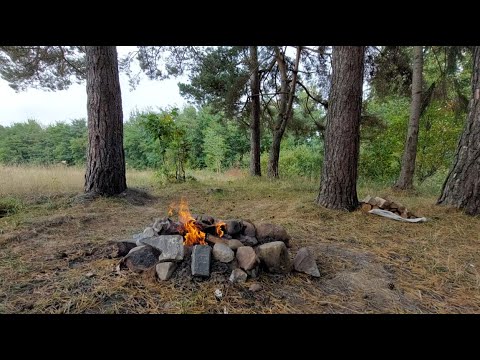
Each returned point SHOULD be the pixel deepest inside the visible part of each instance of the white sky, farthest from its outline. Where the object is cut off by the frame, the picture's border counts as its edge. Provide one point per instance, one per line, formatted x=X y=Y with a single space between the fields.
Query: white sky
x=48 y=107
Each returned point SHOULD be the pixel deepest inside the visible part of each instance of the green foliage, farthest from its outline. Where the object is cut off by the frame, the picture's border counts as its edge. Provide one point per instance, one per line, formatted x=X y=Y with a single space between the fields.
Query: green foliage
x=298 y=159
x=170 y=139
x=44 y=67
x=10 y=206
x=215 y=147
x=29 y=142
x=217 y=79
x=381 y=148
x=440 y=128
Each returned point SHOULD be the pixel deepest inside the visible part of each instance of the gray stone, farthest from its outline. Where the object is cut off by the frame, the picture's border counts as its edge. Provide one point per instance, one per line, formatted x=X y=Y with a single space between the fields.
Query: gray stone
x=305 y=262
x=255 y=287
x=149 y=232
x=248 y=240
x=137 y=238
x=274 y=256
x=201 y=260
x=234 y=244
x=165 y=270
x=270 y=232
x=233 y=227
x=165 y=226
x=141 y=258
x=171 y=246
x=223 y=253
x=246 y=257
x=248 y=229
x=238 y=276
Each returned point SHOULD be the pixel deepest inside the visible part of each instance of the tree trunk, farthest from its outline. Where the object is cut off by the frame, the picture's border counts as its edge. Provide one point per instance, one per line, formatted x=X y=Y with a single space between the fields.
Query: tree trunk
x=255 y=169
x=338 y=185
x=405 y=181
x=462 y=186
x=285 y=109
x=105 y=173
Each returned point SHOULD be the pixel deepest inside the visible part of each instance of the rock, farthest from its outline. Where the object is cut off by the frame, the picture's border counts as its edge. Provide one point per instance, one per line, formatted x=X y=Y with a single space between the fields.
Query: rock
x=255 y=287
x=165 y=270
x=170 y=246
x=206 y=219
x=274 y=256
x=124 y=247
x=138 y=237
x=248 y=240
x=141 y=258
x=201 y=260
x=238 y=276
x=223 y=253
x=271 y=232
x=233 y=227
x=89 y=274
x=246 y=257
x=165 y=226
x=234 y=244
x=305 y=262
x=253 y=273
x=149 y=232
x=248 y=229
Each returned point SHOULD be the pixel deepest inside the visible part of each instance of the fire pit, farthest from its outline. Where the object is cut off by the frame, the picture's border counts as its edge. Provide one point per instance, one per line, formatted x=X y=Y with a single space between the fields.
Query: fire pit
x=203 y=241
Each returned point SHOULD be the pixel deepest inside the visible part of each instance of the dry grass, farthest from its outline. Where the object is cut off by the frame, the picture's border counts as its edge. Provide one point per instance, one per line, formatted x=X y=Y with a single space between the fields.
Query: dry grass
x=367 y=263
x=26 y=181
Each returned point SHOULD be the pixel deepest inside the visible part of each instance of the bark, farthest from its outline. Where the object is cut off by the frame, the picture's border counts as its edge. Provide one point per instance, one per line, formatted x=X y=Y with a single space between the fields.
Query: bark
x=338 y=185
x=405 y=181
x=462 y=185
x=255 y=169
x=285 y=109
x=105 y=172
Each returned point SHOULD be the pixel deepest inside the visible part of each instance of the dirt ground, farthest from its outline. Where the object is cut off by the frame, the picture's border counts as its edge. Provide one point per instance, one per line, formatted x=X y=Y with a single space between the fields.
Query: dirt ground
x=55 y=255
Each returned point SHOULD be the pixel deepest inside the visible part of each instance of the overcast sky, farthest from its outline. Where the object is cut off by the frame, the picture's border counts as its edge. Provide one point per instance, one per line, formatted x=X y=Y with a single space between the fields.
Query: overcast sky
x=48 y=107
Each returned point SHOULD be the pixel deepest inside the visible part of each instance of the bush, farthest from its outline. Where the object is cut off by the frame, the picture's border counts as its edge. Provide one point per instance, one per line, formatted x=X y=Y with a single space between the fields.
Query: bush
x=9 y=206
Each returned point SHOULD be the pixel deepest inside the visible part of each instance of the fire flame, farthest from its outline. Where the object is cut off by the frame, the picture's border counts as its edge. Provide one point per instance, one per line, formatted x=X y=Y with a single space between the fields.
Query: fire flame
x=218 y=228
x=193 y=235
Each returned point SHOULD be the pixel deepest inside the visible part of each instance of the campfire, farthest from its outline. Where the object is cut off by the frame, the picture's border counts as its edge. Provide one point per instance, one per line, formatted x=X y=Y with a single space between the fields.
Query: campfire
x=201 y=242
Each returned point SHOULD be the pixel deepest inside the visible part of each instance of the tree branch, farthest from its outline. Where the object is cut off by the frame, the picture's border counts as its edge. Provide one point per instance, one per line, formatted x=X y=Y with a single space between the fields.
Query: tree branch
x=318 y=100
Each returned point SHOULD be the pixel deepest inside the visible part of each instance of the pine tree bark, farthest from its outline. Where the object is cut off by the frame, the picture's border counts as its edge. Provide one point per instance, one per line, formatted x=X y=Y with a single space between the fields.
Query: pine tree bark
x=462 y=185
x=255 y=169
x=405 y=180
x=105 y=174
x=338 y=185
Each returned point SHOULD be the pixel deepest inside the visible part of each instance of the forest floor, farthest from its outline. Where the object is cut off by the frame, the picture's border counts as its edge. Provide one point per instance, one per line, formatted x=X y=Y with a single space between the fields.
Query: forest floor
x=54 y=251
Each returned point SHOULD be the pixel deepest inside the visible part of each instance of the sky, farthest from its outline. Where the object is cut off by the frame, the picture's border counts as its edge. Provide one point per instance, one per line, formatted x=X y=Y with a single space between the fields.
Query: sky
x=48 y=107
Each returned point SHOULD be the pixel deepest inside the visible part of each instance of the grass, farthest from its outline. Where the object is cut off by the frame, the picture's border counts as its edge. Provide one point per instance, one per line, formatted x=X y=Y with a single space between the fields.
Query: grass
x=368 y=264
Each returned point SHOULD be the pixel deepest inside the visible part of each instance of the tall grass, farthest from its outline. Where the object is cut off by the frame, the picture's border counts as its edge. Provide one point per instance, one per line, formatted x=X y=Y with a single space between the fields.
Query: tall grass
x=48 y=180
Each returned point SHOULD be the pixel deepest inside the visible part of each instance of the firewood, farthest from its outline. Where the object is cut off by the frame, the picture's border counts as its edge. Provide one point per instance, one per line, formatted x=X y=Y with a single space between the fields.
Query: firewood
x=380 y=202
x=366 y=207
x=375 y=207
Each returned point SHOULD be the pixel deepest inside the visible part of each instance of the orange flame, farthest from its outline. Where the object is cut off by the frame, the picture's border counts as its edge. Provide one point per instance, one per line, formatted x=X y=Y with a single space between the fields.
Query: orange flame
x=218 y=228
x=193 y=234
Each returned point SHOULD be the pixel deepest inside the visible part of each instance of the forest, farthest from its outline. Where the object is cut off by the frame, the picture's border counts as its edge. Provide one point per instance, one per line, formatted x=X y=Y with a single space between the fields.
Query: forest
x=284 y=134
